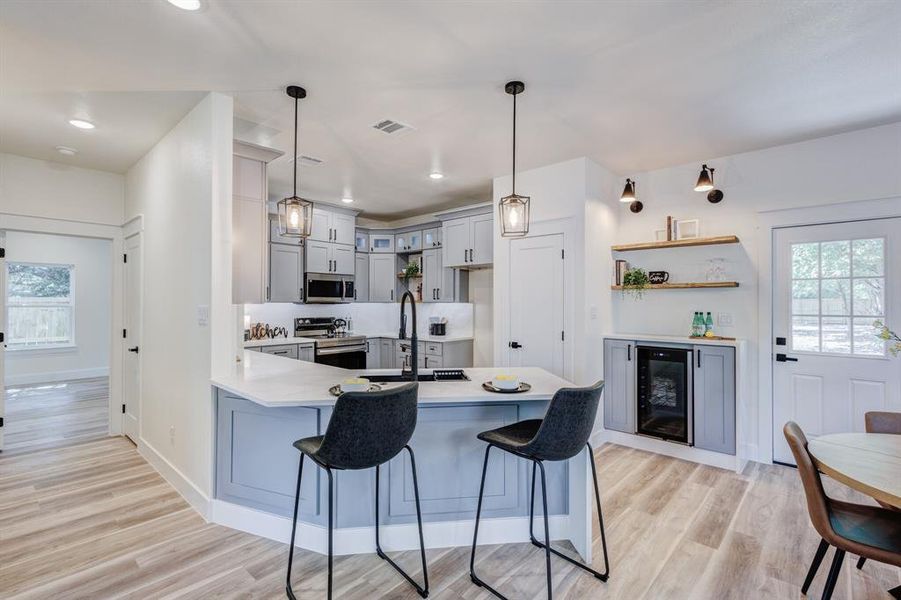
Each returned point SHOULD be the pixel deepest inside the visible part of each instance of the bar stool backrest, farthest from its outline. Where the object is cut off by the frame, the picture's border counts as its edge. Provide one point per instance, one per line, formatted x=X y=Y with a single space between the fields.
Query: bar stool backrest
x=370 y=428
x=567 y=424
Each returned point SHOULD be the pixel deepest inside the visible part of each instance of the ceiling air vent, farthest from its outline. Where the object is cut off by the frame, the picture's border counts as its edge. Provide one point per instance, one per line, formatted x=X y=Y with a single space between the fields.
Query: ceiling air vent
x=308 y=161
x=394 y=128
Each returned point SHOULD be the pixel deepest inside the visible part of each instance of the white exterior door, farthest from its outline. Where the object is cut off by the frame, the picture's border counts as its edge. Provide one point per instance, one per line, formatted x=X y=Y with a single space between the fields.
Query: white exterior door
x=131 y=346
x=536 y=303
x=830 y=283
x=3 y=329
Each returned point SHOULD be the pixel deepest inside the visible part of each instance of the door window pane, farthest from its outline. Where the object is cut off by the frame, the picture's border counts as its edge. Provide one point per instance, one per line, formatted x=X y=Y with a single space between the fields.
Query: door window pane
x=805 y=297
x=836 y=296
x=806 y=334
x=836 y=259
x=869 y=257
x=866 y=342
x=869 y=296
x=805 y=260
x=836 y=335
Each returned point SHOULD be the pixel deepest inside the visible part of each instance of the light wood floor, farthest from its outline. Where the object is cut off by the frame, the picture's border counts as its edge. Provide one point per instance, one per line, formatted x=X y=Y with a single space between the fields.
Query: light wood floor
x=96 y=521
x=50 y=415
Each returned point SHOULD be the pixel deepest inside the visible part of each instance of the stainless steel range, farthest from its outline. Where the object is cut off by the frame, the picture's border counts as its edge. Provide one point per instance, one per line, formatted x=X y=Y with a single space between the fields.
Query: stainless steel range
x=332 y=346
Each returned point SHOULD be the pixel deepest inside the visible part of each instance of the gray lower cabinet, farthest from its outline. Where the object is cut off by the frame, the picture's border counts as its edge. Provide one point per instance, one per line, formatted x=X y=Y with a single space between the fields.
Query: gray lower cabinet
x=619 y=385
x=386 y=353
x=306 y=352
x=373 y=353
x=285 y=273
x=287 y=350
x=714 y=390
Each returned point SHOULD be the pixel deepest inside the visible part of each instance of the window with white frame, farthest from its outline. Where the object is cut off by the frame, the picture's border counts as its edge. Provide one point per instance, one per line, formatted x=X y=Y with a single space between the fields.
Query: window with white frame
x=40 y=305
x=838 y=291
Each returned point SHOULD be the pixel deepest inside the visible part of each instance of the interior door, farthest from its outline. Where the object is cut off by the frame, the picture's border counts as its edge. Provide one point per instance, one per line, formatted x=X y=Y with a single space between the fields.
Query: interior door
x=131 y=359
x=3 y=334
x=536 y=303
x=830 y=283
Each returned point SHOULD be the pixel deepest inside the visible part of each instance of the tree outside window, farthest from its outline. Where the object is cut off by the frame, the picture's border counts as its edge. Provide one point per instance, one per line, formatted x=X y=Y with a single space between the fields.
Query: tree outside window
x=40 y=305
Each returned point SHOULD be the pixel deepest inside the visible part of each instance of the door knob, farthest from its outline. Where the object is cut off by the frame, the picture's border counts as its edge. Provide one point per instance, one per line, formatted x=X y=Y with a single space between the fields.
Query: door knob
x=135 y=350
x=515 y=345
x=783 y=358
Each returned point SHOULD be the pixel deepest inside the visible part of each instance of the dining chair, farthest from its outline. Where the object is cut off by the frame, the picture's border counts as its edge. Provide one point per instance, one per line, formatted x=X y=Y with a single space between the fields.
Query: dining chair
x=881 y=422
x=870 y=532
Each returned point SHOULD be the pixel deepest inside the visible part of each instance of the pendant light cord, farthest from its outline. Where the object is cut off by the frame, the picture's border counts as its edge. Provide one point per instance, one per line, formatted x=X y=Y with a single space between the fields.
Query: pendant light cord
x=295 y=147
x=514 y=144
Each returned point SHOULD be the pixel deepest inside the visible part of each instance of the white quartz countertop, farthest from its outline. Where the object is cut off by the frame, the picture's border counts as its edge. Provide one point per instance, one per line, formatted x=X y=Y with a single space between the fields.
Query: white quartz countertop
x=423 y=338
x=276 y=381
x=279 y=341
x=672 y=339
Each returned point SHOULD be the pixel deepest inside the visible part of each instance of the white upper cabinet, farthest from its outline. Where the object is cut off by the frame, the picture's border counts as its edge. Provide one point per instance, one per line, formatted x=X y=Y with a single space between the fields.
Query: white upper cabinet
x=343 y=259
x=469 y=241
x=323 y=257
x=361 y=241
x=382 y=277
x=431 y=238
x=285 y=273
x=330 y=226
x=410 y=241
x=381 y=243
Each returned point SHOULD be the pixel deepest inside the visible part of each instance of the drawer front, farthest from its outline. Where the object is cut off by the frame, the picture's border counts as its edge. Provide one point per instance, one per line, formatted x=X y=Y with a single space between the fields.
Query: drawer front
x=433 y=348
x=432 y=362
x=288 y=350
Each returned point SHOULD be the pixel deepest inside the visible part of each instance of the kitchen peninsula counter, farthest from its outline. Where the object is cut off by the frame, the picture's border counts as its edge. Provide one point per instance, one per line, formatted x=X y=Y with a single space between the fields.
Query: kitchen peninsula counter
x=267 y=402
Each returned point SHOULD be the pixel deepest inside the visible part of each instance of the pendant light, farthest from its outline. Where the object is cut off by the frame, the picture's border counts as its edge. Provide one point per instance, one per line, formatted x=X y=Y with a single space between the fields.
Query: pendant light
x=514 y=209
x=295 y=215
x=628 y=196
x=705 y=184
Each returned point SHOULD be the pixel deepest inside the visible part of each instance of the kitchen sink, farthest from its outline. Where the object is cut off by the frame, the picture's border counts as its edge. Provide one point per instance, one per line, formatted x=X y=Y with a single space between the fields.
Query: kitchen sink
x=435 y=375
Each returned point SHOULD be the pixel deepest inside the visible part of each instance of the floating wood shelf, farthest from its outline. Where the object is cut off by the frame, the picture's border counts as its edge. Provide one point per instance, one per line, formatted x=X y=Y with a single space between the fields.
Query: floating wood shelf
x=708 y=241
x=685 y=286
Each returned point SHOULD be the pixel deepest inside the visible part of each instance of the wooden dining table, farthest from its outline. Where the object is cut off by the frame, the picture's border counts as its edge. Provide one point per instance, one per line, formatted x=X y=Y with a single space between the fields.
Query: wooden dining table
x=867 y=462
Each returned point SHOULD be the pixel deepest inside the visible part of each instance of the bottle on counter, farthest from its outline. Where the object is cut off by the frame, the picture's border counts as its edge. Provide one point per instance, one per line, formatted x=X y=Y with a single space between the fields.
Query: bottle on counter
x=696 y=327
x=708 y=326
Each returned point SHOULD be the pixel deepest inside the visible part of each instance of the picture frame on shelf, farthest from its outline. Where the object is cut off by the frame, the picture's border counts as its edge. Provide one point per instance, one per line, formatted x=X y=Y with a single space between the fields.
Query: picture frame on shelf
x=660 y=235
x=687 y=229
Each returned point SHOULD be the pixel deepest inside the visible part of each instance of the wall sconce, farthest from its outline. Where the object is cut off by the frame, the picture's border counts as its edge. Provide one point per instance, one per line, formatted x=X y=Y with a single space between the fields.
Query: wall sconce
x=628 y=196
x=705 y=184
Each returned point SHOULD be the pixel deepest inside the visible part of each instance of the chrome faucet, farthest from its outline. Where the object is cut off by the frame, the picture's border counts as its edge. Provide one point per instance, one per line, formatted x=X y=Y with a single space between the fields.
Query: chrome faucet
x=414 y=340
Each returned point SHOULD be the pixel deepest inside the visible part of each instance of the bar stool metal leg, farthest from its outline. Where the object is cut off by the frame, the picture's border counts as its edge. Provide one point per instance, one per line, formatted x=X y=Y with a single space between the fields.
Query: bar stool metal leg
x=288 y=589
x=815 y=565
x=475 y=536
x=597 y=496
x=331 y=491
x=421 y=590
x=547 y=531
x=834 y=570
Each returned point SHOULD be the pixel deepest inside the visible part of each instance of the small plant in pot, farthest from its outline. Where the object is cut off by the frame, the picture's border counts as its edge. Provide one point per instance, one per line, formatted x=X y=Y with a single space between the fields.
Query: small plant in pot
x=409 y=272
x=635 y=282
x=892 y=338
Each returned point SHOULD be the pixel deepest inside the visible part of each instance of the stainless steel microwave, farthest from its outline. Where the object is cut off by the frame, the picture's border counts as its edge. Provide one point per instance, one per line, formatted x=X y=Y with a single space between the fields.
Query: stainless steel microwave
x=327 y=288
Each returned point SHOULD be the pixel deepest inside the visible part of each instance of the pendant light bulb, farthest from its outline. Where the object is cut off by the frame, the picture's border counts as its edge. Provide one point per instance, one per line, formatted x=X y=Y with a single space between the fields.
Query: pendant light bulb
x=514 y=209
x=295 y=215
x=705 y=180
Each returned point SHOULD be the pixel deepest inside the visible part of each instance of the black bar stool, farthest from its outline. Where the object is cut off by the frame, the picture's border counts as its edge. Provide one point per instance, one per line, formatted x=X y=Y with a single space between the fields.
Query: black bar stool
x=367 y=429
x=561 y=435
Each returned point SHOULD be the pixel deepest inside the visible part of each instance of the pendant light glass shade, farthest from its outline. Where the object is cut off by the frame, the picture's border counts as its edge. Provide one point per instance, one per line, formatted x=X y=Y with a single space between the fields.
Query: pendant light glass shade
x=295 y=215
x=705 y=180
x=628 y=192
x=514 y=209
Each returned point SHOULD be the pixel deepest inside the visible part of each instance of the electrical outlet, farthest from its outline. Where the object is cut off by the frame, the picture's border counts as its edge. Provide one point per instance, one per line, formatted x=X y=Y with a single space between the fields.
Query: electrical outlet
x=172 y=435
x=203 y=315
x=724 y=319
x=593 y=311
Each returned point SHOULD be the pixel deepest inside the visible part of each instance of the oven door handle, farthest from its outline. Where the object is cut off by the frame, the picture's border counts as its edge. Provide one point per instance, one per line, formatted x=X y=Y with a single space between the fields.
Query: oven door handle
x=340 y=350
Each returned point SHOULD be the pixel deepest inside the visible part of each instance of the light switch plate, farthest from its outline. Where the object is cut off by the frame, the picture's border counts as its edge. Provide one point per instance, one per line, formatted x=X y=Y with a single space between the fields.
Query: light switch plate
x=724 y=319
x=203 y=315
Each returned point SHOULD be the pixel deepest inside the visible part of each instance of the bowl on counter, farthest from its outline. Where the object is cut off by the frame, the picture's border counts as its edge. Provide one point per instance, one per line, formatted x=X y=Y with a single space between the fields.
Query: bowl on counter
x=355 y=384
x=505 y=382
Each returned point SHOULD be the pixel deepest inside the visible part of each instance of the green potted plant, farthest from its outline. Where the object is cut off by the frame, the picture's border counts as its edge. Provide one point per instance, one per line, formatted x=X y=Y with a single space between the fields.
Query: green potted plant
x=635 y=282
x=409 y=272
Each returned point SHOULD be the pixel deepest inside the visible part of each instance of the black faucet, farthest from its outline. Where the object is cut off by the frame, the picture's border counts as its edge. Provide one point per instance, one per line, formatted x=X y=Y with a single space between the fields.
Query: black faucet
x=414 y=339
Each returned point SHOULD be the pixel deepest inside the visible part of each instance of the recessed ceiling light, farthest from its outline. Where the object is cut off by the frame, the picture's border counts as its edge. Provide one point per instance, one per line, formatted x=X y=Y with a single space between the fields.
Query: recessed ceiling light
x=66 y=150
x=347 y=200
x=436 y=175
x=186 y=4
x=81 y=123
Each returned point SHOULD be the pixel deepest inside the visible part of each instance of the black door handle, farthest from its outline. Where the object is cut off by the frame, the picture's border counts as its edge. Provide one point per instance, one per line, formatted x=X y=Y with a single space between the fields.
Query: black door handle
x=135 y=350
x=515 y=345
x=783 y=358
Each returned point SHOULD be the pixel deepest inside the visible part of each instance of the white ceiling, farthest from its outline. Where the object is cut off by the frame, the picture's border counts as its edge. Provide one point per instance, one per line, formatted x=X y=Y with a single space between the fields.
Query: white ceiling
x=633 y=85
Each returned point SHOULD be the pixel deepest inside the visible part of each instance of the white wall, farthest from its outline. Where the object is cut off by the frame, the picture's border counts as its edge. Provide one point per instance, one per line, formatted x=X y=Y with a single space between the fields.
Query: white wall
x=93 y=293
x=40 y=188
x=369 y=318
x=177 y=187
x=861 y=165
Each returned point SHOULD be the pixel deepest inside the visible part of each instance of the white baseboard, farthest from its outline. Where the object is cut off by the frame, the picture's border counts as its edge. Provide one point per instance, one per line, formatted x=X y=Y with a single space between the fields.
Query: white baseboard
x=689 y=453
x=54 y=376
x=361 y=540
x=184 y=486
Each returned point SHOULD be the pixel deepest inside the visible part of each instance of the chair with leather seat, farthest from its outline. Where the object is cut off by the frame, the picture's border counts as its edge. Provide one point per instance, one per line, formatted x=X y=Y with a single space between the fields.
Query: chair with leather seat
x=881 y=422
x=870 y=532
x=367 y=429
x=562 y=434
